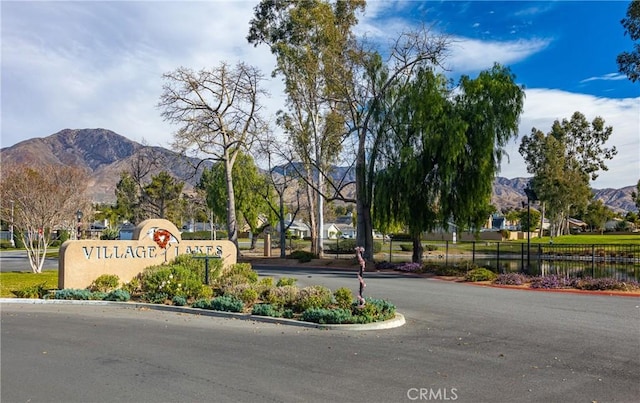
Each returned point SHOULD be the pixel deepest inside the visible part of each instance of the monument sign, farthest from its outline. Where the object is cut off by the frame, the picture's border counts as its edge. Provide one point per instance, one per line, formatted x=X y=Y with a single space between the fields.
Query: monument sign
x=154 y=242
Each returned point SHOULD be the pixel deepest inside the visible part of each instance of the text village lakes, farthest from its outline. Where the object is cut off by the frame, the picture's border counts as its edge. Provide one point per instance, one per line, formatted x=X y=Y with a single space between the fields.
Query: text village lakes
x=147 y=251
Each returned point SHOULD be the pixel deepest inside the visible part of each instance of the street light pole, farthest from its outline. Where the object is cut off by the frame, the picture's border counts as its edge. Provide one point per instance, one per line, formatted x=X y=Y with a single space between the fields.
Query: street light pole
x=79 y=217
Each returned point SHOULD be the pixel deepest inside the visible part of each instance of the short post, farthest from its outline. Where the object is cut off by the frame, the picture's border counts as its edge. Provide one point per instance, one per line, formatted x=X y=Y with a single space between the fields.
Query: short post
x=267 y=244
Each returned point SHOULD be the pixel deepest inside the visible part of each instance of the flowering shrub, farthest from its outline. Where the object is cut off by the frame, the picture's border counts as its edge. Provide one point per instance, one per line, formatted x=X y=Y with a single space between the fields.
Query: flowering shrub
x=315 y=296
x=282 y=296
x=172 y=280
x=409 y=267
x=553 y=282
x=384 y=265
x=606 y=283
x=511 y=279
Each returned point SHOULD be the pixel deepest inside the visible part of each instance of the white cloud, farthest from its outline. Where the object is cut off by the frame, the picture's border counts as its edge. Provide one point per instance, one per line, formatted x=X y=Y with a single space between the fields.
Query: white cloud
x=544 y=106
x=606 y=77
x=469 y=55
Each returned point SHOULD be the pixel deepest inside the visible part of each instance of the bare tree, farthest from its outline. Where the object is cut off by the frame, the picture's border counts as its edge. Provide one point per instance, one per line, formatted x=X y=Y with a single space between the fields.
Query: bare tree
x=218 y=111
x=44 y=200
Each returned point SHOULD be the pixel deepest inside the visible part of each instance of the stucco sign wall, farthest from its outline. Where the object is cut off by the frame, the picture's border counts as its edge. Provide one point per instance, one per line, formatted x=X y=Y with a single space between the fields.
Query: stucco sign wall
x=154 y=242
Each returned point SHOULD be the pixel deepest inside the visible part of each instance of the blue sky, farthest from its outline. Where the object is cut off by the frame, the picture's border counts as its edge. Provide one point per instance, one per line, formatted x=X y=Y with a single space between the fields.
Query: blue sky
x=90 y=64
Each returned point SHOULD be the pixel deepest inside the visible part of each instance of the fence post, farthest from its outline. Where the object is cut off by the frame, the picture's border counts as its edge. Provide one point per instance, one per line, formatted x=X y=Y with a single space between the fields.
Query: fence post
x=473 y=252
x=446 y=254
x=522 y=269
x=498 y=257
x=390 y=247
x=593 y=261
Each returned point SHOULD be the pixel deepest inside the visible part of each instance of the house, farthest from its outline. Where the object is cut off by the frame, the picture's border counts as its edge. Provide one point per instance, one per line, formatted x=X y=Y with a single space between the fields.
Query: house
x=341 y=228
x=296 y=228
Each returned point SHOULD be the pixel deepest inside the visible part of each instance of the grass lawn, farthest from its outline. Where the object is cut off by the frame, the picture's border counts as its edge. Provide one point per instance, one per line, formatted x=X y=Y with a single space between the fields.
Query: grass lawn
x=590 y=239
x=10 y=281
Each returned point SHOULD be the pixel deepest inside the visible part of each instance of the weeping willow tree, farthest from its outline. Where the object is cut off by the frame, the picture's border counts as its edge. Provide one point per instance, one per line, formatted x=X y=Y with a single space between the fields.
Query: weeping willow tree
x=443 y=149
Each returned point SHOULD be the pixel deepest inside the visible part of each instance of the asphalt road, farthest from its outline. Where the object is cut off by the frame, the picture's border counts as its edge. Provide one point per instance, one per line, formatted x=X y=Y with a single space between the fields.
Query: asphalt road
x=460 y=343
x=17 y=260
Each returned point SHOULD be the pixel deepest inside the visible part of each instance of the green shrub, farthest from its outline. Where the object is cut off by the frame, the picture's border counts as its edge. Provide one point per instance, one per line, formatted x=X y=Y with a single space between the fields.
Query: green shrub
x=156 y=297
x=109 y=234
x=98 y=295
x=303 y=256
x=265 y=310
x=203 y=303
x=347 y=246
x=343 y=297
x=227 y=304
x=315 y=296
x=327 y=316
x=134 y=287
x=374 y=310
x=4 y=244
x=118 y=295
x=406 y=247
x=282 y=281
x=32 y=291
x=179 y=300
x=105 y=283
x=480 y=274
x=282 y=296
x=73 y=294
x=288 y=313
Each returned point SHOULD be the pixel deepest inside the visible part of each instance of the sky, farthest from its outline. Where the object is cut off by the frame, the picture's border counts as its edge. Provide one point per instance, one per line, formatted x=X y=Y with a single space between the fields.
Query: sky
x=86 y=64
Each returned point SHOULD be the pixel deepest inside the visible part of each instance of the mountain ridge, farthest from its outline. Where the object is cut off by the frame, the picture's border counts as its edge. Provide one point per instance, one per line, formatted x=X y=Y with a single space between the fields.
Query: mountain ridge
x=105 y=154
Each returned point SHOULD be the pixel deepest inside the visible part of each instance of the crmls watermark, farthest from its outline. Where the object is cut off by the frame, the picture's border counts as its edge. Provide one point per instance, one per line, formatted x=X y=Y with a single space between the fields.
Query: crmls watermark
x=442 y=394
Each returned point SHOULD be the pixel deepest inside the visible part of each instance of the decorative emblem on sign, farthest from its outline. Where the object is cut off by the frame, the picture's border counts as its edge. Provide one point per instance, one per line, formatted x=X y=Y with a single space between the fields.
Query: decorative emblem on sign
x=161 y=237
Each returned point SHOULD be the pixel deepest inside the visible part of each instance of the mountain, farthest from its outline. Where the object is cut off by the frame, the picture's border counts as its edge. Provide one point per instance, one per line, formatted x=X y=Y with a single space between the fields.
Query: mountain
x=105 y=154
x=102 y=153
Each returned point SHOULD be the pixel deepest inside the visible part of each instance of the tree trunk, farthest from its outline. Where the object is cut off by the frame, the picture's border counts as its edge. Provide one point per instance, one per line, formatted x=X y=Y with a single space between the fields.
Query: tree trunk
x=364 y=228
x=416 y=256
x=232 y=223
x=283 y=235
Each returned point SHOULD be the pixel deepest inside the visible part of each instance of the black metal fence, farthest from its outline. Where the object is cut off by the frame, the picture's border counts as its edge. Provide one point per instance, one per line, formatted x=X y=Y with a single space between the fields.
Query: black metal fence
x=618 y=261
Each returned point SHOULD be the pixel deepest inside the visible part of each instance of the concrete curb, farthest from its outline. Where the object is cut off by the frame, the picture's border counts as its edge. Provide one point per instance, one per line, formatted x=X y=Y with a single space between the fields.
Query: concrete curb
x=397 y=321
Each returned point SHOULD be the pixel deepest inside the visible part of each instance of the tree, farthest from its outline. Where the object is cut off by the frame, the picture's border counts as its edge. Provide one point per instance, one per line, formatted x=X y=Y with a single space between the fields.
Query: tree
x=162 y=195
x=629 y=62
x=312 y=40
x=218 y=111
x=563 y=161
x=442 y=151
x=597 y=215
x=44 y=200
x=249 y=186
x=529 y=219
x=365 y=99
